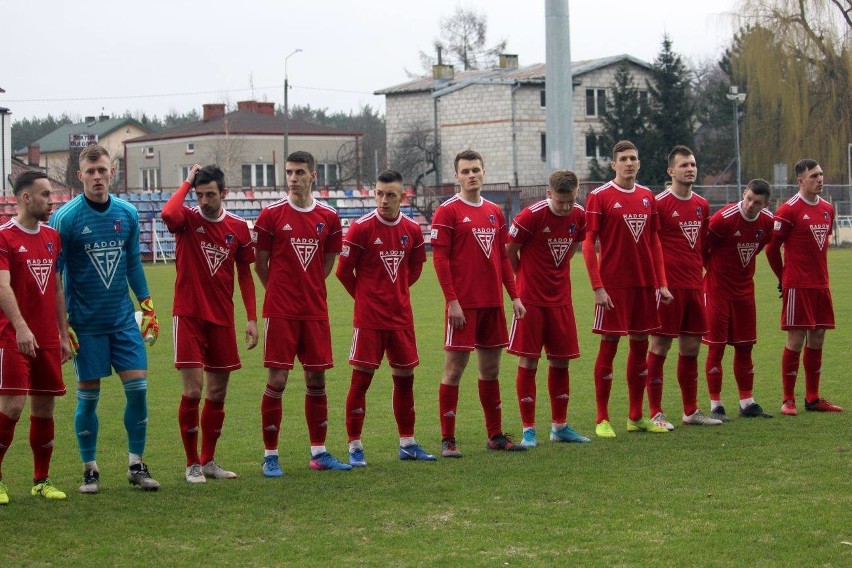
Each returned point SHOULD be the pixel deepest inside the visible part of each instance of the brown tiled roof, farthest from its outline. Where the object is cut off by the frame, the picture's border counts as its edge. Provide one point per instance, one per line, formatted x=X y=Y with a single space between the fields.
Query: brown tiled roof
x=243 y=123
x=19 y=167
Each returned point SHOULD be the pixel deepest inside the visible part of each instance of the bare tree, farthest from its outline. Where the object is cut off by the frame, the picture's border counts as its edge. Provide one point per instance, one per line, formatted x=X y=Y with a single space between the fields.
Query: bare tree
x=227 y=152
x=462 y=41
x=415 y=155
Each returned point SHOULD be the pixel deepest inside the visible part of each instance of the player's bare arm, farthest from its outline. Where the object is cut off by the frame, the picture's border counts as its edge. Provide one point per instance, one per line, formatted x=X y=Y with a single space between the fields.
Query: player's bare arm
x=27 y=343
x=261 y=265
x=190 y=178
x=62 y=322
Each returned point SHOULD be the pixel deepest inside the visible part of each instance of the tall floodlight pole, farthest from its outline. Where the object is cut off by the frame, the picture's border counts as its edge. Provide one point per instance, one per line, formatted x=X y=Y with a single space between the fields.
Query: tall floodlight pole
x=558 y=89
x=737 y=98
x=286 y=114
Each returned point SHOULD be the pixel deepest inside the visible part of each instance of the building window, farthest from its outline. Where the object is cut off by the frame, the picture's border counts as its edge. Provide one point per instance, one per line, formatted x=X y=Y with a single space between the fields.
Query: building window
x=190 y=148
x=543 y=99
x=643 y=101
x=150 y=178
x=258 y=175
x=327 y=175
x=595 y=102
x=543 y=138
x=184 y=172
x=594 y=146
x=148 y=151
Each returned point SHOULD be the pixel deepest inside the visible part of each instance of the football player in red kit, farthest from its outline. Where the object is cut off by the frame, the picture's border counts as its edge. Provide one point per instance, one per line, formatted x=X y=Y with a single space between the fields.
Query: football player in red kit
x=382 y=257
x=210 y=243
x=803 y=225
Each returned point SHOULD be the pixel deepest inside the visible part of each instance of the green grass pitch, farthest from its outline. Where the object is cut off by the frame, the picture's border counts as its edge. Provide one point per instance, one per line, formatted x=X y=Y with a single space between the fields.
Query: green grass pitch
x=752 y=492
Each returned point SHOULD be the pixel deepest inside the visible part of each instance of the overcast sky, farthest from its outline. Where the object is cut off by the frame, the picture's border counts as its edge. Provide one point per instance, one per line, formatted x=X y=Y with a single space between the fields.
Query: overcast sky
x=90 y=57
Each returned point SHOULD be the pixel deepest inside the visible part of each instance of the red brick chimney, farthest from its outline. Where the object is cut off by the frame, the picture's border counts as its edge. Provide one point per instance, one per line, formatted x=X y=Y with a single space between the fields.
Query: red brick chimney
x=257 y=107
x=33 y=154
x=213 y=111
x=266 y=108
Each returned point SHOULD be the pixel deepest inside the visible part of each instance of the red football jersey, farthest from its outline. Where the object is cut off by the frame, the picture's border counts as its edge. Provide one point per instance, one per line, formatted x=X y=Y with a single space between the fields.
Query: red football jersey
x=298 y=240
x=546 y=239
x=206 y=252
x=804 y=229
x=382 y=253
x=30 y=257
x=625 y=220
x=683 y=226
x=475 y=236
x=733 y=242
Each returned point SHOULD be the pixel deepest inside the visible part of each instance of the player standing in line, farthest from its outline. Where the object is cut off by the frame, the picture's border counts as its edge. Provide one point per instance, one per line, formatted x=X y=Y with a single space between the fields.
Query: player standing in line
x=33 y=328
x=627 y=280
x=683 y=216
x=297 y=240
x=469 y=251
x=737 y=233
x=543 y=239
x=100 y=256
x=210 y=242
x=803 y=225
x=382 y=257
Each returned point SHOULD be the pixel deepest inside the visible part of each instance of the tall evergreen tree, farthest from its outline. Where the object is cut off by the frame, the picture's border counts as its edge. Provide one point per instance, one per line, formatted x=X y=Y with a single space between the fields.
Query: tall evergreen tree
x=671 y=113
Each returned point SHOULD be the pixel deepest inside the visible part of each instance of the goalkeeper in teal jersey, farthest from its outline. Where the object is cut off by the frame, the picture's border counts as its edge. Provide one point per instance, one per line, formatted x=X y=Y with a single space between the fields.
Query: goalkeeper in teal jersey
x=100 y=257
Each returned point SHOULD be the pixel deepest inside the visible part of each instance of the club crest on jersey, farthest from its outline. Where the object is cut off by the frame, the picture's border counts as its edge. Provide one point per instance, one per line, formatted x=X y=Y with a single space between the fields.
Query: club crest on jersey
x=646 y=203
x=40 y=269
x=403 y=240
x=820 y=232
x=305 y=249
x=229 y=238
x=320 y=228
x=214 y=255
x=116 y=224
x=699 y=213
x=392 y=259
x=485 y=238
x=746 y=252
x=559 y=248
x=690 y=231
x=571 y=228
x=825 y=215
x=759 y=234
x=50 y=248
x=636 y=223
x=491 y=219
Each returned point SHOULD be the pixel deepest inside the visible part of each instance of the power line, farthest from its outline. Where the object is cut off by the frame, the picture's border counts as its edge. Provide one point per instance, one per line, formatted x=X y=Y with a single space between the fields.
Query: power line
x=185 y=94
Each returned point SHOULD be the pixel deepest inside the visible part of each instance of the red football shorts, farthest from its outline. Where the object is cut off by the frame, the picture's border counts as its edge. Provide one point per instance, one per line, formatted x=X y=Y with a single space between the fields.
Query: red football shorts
x=23 y=375
x=550 y=327
x=731 y=321
x=685 y=315
x=807 y=308
x=634 y=312
x=484 y=328
x=199 y=343
x=369 y=345
x=284 y=339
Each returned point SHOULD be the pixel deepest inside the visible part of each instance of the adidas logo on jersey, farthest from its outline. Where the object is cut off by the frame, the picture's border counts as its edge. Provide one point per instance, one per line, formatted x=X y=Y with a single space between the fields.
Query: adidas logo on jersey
x=617 y=205
x=86 y=231
x=675 y=214
x=546 y=230
x=378 y=241
x=806 y=216
x=287 y=227
x=466 y=220
x=22 y=249
x=200 y=230
x=738 y=234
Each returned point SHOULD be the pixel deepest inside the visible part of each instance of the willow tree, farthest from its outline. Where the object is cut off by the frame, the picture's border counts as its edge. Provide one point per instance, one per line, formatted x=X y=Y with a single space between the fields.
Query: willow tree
x=795 y=58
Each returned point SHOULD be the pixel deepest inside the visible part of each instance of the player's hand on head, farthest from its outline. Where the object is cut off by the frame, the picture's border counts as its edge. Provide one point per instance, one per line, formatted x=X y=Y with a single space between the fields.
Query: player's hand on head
x=150 y=327
x=190 y=178
x=251 y=334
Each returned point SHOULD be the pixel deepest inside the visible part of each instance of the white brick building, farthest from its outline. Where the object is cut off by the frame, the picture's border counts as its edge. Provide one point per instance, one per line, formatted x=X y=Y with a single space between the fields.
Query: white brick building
x=486 y=110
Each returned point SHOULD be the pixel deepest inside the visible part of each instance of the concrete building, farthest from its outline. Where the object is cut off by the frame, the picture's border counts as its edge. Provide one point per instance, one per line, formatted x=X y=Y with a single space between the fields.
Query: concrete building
x=501 y=113
x=247 y=144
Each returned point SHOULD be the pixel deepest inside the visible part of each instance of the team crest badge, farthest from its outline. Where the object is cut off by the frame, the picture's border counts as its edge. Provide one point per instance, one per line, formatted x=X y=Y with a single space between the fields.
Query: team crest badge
x=403 y=240
x=229 y=238
x=571 y=228
x=116 y=224
x=491 y=219
x=699 y=213
x=646 y=203
x=759 y=234
x=320 y=228
x=825 y=215
x=50 y=248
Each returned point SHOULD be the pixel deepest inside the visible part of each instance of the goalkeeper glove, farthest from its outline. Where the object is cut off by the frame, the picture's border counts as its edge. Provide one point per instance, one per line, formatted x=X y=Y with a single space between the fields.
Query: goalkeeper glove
x=73 y=342
x=150 y=325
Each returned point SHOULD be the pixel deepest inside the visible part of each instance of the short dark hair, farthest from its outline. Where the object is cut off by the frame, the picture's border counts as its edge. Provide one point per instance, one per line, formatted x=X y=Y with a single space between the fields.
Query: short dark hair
x=93 y=153
x=563 y=181
x=469 y=155
x=27 y=180
x=760 y=186
x=209 y=174
x=679 y=150
x=302 y=157
x=804 y=165
x=621 y=146
x=390 y=176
